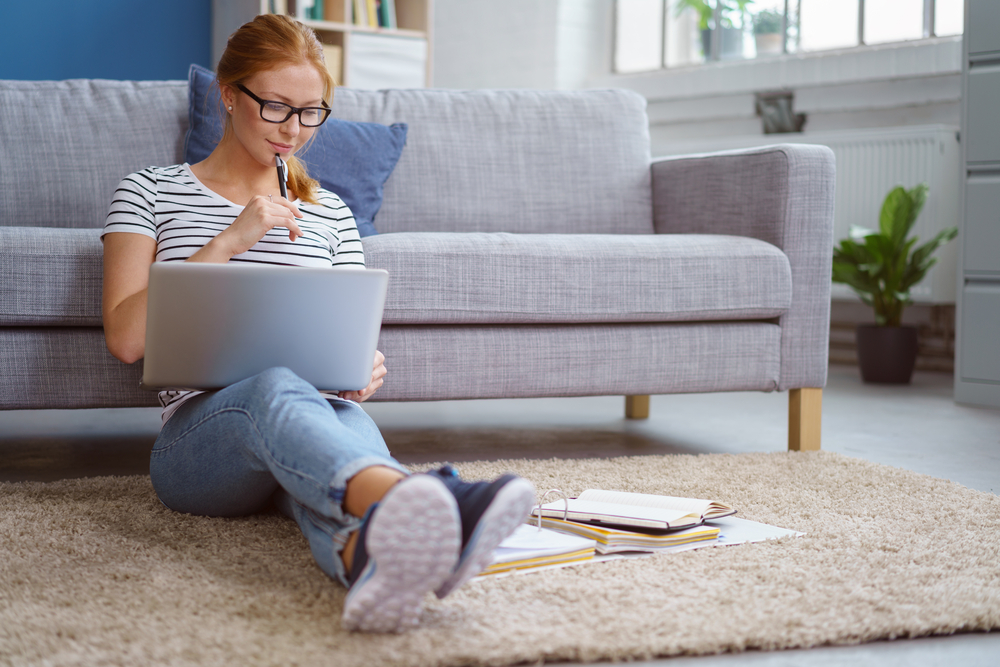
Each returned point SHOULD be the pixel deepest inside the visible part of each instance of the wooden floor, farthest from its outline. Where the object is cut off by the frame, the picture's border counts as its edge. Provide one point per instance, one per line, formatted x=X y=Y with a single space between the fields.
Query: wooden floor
x=918 y=427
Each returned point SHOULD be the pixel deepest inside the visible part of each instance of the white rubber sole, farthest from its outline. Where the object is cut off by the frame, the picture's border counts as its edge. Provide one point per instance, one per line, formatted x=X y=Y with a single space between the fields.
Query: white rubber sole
x=511 y=506
x=413 y=542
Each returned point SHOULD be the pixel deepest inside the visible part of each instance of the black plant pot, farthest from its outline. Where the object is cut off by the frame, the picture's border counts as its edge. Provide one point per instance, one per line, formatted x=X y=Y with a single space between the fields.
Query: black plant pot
x=886 y=355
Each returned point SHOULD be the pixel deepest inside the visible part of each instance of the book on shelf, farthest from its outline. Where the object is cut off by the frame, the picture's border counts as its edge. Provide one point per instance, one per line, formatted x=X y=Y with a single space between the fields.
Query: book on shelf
x=374 y=13
x=304 y=9
x=616 y=540
x=634 y=510
x=383 y=13
x=390 y=14
x=531 y=547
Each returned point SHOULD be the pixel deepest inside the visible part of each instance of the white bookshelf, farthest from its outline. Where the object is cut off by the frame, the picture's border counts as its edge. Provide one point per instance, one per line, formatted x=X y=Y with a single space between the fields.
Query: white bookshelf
x=364 y=56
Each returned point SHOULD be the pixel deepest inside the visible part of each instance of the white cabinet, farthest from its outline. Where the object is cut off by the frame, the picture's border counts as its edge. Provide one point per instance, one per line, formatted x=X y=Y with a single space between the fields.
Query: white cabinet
x=982 y=96
x=983 y=19
x=382 y=61
x=981 y=240
x=981 y=333
x=977 y=368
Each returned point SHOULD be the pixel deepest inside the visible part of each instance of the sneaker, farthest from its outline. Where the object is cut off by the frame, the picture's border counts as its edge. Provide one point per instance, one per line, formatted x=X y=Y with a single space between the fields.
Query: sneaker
x=490 y=512
x=407 y=546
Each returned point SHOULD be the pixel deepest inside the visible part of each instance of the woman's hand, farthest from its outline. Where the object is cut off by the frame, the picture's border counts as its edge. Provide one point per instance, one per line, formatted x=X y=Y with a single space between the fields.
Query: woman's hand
x=259 y=217
x=378 y=373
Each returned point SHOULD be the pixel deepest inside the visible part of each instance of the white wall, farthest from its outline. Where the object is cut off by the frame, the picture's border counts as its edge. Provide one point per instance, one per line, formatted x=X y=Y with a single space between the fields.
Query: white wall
x=495 y=44
x=227 y=17
x=583 y=41
x=568 y=44
x=541 y=44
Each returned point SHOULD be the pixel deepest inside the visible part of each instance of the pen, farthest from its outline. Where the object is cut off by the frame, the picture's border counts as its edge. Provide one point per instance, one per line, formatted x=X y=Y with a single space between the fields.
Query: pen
x=282 y=175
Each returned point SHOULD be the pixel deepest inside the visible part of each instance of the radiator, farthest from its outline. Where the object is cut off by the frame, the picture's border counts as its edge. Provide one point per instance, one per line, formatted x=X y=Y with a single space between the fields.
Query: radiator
x=871 y=162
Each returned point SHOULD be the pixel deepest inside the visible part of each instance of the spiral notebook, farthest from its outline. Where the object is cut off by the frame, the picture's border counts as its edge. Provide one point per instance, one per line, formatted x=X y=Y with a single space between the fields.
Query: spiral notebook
x=532 y=547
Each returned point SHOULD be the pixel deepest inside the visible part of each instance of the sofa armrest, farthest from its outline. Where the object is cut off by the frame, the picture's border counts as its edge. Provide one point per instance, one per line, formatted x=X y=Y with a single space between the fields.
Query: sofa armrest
x=781 y=194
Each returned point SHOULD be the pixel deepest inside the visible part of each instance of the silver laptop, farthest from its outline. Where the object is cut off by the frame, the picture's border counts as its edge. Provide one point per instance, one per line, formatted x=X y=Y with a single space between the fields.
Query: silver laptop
x=210 y=325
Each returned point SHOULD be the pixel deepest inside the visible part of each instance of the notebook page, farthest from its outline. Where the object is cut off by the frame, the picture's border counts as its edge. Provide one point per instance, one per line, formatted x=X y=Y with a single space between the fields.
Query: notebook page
x=692 y=505
x=528 y=542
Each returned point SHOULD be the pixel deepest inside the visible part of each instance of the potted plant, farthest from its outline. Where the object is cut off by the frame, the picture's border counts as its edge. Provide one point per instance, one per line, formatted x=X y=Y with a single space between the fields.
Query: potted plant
x=767 y=32
x=730 y=37
x=881 y=267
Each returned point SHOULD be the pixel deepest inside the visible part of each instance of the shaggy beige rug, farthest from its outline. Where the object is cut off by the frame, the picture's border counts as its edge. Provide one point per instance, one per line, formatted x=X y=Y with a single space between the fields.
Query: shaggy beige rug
x=96 y=571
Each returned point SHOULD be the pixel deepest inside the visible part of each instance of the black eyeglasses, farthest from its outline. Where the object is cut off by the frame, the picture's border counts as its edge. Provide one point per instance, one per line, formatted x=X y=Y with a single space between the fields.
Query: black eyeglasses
x=279 y=112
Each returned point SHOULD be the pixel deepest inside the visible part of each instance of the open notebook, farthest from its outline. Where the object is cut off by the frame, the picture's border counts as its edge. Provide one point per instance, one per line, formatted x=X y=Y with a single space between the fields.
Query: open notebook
x=634 y=510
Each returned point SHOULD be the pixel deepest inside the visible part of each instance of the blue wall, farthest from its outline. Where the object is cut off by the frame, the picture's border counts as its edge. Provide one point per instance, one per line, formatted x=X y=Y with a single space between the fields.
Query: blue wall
x=105 y=39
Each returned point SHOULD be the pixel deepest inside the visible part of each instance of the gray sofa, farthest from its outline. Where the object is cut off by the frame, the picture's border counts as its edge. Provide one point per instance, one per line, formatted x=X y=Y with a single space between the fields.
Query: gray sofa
x=534 y=249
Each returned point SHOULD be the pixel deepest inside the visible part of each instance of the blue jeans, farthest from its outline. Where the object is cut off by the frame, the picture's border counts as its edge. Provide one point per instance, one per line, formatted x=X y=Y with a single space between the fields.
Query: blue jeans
x=270 y=437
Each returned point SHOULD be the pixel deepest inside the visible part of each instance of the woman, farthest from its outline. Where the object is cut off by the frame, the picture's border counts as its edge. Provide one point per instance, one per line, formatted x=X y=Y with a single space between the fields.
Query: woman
x=389 y=536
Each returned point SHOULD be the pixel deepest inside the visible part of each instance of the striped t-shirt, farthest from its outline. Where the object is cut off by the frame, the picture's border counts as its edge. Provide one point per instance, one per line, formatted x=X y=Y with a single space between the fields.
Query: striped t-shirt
x=170 y=205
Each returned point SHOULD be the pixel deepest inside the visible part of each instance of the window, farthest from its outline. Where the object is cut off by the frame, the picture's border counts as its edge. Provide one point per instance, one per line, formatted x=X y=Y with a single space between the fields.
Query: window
x=827 y=24
x=893 y=20
x=652 y=34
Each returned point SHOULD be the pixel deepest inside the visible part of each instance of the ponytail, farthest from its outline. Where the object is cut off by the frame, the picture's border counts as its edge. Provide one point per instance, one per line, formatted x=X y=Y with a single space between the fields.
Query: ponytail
x=300 y=185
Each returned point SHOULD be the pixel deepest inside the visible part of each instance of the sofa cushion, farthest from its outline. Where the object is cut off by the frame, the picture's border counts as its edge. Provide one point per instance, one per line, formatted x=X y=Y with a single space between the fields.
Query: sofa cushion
x=66 y=145
x=350 y=159
x=66 y=367
x=50 y=276
x=474 y=278
x=518 y=161
x=53 y=277
x=430 y=363
x=70 y=367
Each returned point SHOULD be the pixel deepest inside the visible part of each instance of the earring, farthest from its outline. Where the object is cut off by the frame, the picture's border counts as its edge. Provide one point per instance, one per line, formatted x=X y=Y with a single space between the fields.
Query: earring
x=230 y=108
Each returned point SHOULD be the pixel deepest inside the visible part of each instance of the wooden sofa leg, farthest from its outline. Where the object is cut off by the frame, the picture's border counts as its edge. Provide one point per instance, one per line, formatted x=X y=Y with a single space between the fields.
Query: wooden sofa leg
x=805 y=408
x=637 y=407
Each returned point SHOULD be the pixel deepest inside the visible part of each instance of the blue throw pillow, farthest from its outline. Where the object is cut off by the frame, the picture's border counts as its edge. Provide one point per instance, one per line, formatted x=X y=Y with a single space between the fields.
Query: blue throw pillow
x=351 y=159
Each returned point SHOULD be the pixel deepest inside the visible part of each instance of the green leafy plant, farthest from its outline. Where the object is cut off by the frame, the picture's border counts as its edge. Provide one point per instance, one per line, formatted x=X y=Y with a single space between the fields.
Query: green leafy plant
x=882 y=266
x=706 y=9
x=767 y=22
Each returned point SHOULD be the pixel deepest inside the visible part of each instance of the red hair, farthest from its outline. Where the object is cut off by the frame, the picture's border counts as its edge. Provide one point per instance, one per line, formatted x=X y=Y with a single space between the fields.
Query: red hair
x=268 y=42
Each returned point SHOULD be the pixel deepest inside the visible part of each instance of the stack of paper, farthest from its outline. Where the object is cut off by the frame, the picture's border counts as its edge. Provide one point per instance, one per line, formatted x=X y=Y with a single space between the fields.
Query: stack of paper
x=613 y=540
